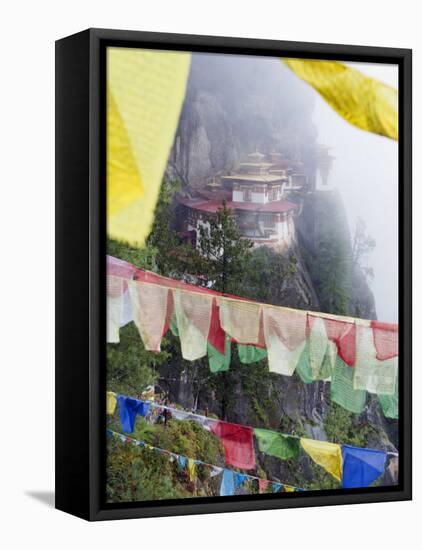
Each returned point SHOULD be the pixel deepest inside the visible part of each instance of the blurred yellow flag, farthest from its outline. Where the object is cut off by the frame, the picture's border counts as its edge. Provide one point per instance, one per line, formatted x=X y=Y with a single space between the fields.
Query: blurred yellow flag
x=361 y=100
x=328 y=455
x=145 y=93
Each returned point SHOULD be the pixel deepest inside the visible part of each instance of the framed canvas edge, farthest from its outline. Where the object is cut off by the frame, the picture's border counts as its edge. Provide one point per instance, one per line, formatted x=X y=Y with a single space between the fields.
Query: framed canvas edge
x=100 y=38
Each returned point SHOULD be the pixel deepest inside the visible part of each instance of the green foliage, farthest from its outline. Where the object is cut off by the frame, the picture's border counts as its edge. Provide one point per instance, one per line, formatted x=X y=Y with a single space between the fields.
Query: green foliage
x=135 y=473
x=329 y=261
x=226 y=255
x=131 y=368
x=342 y=426
x=144 y=258
x=266 y=275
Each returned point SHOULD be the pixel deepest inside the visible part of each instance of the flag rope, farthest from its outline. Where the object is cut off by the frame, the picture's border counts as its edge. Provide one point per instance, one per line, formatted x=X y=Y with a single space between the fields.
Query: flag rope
x=125 y=438
x=210 y=419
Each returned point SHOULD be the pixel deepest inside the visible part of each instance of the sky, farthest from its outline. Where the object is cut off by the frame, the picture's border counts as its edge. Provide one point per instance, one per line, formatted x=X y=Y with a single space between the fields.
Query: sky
x=365 y=171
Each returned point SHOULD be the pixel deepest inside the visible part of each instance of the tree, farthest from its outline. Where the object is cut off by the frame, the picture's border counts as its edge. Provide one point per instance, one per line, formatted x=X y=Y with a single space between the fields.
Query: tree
x=224 y=253
x=362 y=246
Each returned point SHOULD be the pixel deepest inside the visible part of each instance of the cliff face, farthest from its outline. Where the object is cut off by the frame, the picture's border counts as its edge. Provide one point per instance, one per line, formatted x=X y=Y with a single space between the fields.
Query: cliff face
x=235 y=105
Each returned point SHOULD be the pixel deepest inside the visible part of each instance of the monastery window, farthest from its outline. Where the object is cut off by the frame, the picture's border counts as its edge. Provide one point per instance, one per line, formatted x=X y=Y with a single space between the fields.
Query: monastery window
x=274 y=194
x=247 y=195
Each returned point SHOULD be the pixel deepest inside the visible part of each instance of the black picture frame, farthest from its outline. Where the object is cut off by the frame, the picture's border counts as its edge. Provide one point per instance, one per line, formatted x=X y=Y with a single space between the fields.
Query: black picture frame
x=80 y=272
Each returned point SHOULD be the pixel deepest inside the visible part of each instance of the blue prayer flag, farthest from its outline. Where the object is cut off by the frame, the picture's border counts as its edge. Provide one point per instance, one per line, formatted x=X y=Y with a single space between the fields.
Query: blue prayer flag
x=182 y=460
x=129 y=408
x=227 y=484
x=361 y=466
x=239 y=479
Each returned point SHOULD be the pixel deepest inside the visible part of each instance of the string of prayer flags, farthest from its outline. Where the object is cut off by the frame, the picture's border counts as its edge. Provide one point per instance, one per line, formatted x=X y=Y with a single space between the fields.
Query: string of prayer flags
x=276 y=444
x=193 y=314
x=237 y=441
x=129 y=408
x=111 y=402
x=285 y=338
x=363 y=101
x=328 y=455
x=361 y=467
x=355 y=355
x=239 y=449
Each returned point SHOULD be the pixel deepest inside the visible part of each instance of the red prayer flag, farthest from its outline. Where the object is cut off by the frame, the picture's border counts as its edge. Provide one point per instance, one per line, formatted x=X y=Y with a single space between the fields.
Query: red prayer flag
x=238 y=444
x=216 y=335
x=386 y=339
x=344 y=336
x=263 y=485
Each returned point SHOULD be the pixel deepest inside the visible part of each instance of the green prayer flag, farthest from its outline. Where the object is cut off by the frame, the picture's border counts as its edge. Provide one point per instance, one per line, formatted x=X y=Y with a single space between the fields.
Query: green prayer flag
x=276 y=444
x=342 y=391
x=390 y=404
x=173 y=326
x=303 y=367
x=250 y=354
x=216 y=360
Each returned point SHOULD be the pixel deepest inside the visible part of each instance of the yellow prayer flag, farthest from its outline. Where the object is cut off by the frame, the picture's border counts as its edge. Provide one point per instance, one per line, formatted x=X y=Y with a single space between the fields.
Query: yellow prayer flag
x=191 y=469
x=288 y=489
x=145 y=93
x=363 y=101
x=111 y=402
x=328 y=455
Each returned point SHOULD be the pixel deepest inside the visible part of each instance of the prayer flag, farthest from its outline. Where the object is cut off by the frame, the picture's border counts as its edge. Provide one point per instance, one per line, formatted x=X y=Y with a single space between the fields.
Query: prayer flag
x=239 y=479
x=263 y=485
x=343 y=333
x=342 y=390
x=363 y=101
x=371 y=374
x=145 y=92
x=285 y=338
x=182 y=461
x=386 y=340
x=193 y=314
x=361 y=467
x=241 y=319
x=227 y=484
x=191 y=469
x=250 y=354
x=111 y=402
x=327 y=455
x=149 y=305
x=129 y=408
x=277 y=444
x=237 y=441
x=114 y=308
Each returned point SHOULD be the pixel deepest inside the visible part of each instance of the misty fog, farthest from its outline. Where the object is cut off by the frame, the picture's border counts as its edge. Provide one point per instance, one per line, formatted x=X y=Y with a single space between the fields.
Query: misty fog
x=365 y=172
